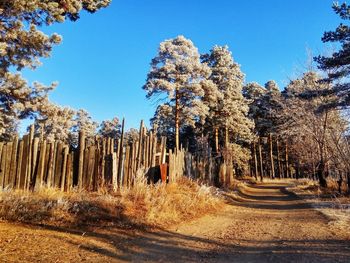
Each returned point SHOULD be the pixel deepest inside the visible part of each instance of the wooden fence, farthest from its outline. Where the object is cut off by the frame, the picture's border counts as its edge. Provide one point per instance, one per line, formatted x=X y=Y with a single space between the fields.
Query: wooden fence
x=32 y=162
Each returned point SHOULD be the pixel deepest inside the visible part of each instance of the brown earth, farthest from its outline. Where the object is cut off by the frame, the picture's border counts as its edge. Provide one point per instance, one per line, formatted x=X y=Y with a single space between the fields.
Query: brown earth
x=260 y=223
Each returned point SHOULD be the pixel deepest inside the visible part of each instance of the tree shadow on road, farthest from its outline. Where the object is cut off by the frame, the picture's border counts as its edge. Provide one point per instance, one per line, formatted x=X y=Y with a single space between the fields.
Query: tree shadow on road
x=159 y=245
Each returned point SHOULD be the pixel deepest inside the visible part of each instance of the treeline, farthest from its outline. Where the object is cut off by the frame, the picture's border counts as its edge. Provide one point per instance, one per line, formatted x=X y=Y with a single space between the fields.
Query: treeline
x=273 y=133
x=207 y=107
x=204 y=104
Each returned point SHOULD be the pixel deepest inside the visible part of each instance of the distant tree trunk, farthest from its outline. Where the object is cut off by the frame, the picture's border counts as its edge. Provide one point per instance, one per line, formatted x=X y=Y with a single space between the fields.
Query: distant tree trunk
x=255 y=161
x=177 y=121
x=297 y=172
x=278 y=159
x=272 y=172
x=320 y=173
x=226 y=137
x=313 y=170
x=216 y=139
x=322 y=165
x=327 y=170
x=340 y=181
x=286 y=160
x=261 y=160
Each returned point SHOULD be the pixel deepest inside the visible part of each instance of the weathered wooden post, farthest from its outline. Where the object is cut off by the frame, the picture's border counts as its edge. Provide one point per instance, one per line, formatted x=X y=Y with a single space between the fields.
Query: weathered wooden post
x=13 y=164
x=81 y=158
x=64 y=167
x=139 y=149
x=121 y=155
x=41 y=165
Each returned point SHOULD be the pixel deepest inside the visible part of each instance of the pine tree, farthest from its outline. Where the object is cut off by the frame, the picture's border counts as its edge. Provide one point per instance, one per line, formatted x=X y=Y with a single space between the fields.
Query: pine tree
x=163 y=122
x=265 y=105
x=18 y=101
x=228 y=109
x=22 y=44
x=110 y=128
x=55 y=122
x=338 y=64
x=131 y=136
x=178 y=76
x=83 y=122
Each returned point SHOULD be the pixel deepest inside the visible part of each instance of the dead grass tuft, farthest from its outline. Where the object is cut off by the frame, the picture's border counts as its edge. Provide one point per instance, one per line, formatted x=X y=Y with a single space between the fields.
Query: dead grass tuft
x=152 y=205
x=168 y=204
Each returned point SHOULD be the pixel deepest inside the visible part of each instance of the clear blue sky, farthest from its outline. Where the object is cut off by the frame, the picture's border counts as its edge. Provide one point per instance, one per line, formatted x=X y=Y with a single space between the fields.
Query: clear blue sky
x=104 y=58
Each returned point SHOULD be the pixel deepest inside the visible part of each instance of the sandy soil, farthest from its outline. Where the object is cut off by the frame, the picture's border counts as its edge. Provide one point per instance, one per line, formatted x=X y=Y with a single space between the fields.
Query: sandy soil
x=260 y=223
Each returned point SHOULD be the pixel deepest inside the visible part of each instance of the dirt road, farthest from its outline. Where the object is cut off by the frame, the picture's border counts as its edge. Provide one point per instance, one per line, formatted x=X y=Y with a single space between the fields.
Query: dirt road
x=261 y=223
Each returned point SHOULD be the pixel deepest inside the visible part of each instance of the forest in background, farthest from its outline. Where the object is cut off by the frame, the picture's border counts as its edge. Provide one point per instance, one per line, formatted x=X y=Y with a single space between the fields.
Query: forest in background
x=204 y=104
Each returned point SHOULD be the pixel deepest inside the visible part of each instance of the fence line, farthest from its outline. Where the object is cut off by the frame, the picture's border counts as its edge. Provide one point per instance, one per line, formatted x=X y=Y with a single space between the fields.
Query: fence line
x=32 y=162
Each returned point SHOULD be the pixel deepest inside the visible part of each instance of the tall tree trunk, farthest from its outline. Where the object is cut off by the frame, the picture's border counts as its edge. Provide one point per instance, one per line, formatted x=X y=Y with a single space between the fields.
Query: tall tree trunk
x=297 y=172
x=322 y=165
x=261 y=160
x=313 y=166
x=255 y=161
x=177 y=121
x=216 y=139
x=226 y=137
x=272 y=172
x=320 y=173
x=313 y=170
x=340 y=181
x=286 y=160
x=278 y=159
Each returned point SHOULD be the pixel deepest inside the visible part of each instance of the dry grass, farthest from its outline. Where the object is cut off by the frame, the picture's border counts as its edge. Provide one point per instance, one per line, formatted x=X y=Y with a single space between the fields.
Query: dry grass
x=327 y=201
x=332 y=186
x=169 y=204
x=144 y=205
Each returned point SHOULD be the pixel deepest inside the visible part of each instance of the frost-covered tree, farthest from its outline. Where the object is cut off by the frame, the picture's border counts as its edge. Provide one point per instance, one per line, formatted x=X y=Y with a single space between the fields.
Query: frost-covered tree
x=310 y=130
x=254 y=92
x=178 y=77
x=55 y=122
x=163 y=121
x=22 y=44
x=264 y=106
x=229 y=109
x=83 y=122
x=131 y=136
x=18 y=101
x=110 y=128
x=271 y=86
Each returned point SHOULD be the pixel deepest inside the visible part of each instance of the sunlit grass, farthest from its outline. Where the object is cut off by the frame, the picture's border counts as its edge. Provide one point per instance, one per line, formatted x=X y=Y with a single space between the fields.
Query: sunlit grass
x=143 y=204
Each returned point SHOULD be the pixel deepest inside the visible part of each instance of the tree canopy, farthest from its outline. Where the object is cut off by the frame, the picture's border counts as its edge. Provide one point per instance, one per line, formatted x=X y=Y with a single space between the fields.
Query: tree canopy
x=22 y=44
x=337 y=66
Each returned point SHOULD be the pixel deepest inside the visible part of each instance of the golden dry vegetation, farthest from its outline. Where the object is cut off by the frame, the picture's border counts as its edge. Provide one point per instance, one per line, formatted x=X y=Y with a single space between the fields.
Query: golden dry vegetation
x=143 y=205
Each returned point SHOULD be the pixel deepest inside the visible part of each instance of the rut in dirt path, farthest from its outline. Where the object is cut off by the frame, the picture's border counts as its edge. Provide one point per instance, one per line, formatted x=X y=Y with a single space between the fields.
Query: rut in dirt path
x=260 y=223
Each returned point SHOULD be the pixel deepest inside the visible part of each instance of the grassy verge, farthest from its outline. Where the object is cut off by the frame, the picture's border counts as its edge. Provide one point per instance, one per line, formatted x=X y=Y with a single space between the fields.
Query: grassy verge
x=158 y=205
